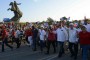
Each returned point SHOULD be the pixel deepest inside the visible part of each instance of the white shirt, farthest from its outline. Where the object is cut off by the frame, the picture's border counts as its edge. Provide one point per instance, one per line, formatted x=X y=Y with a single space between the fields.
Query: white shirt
x=42 y=34
x=10 y=32
x=78 y=30
x=10 y=26
x=72 y=35
x=87 y=27
x=17 y=33
x=61 y=34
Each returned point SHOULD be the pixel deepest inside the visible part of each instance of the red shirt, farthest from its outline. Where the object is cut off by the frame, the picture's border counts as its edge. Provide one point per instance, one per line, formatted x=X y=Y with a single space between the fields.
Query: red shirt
x=30 y=32
x=84 y=38
x=26 y=33
x=51 y=36
x=13 y=33
x=4 y=34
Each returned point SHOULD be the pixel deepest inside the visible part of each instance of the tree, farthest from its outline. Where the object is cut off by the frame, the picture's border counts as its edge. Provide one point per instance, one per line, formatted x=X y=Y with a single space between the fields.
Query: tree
x=50 y=20
x=63 y=18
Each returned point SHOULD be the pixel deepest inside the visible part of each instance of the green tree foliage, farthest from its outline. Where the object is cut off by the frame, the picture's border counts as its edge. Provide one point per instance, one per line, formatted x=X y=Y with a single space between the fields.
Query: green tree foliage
x=63 y=18
x=49 y=20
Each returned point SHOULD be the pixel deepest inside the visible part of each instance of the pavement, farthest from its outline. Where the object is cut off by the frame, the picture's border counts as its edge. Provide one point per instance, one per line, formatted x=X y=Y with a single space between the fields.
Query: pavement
x=25 y=53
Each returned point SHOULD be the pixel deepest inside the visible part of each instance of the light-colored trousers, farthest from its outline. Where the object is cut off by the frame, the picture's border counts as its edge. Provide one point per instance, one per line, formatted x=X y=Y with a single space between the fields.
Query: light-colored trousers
x=30 y=40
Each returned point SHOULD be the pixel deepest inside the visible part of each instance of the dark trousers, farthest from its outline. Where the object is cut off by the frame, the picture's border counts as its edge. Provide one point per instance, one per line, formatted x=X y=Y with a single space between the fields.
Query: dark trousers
x=34 y=43
x=17 y=42
x=56 y=43
x=42 y=45
x=27 y=39
x=48 y=46
x=85 y=52
x=73 y=47
x=5 y=41
x=13 y=39
x=61 y=51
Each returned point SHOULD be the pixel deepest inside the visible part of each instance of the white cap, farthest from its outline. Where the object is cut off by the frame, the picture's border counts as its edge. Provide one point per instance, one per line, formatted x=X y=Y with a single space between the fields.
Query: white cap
x=42 y=26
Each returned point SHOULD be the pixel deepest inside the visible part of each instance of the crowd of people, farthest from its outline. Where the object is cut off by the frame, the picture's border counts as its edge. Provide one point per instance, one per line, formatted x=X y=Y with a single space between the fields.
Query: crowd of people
x=75 y=34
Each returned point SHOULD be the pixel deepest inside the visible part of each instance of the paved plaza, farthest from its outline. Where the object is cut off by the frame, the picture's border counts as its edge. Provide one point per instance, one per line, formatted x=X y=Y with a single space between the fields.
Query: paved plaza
x=25 y=53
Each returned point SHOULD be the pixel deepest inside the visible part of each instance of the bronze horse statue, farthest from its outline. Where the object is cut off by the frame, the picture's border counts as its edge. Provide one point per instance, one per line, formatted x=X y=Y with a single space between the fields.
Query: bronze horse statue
x=17 y=13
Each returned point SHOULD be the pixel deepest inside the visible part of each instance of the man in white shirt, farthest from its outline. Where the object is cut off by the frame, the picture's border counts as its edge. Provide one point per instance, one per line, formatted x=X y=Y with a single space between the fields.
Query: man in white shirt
x=87 y=25
x=17 y=33
x=62 y=36
x=42 y=35
x=73 y=41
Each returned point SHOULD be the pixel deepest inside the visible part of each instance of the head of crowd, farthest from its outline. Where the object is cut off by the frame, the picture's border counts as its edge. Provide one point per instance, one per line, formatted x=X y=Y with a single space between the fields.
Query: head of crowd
x=43 y=25
x=45 y=33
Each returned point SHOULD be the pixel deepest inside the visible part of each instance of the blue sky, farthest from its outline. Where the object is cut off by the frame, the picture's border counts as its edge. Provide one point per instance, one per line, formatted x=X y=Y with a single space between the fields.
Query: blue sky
x=39 y=10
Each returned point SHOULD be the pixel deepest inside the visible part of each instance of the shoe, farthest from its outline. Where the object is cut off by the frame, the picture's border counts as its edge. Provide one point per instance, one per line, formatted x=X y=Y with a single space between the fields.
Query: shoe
x=72 y=56
x=34 y=50
x=3 y=51
x=12 y=49
x=59 y=56
x=75 y=58
x=17 y=47
x=63 y=52
x=29 y=46
x=41 y=50
x=47 y=53
x=54 y=52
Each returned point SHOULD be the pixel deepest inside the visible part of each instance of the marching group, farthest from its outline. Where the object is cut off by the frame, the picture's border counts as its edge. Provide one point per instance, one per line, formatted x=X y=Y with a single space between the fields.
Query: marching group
x=55 y=34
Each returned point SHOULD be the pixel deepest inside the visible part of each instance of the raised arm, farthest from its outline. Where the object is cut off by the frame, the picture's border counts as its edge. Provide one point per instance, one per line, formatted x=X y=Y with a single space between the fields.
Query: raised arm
x=17 y=3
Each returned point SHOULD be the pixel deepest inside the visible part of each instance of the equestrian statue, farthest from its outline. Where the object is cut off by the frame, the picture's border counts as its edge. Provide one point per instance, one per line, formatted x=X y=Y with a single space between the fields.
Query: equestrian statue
x=17 y=13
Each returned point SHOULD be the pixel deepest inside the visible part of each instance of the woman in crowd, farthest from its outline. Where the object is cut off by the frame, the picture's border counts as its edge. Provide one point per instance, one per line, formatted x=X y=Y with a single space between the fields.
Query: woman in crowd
x=30 y=36
x=26 y=35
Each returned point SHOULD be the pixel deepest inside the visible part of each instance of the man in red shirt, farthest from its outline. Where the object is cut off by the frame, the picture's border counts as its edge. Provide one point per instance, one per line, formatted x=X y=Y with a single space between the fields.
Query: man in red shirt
x=5 y=39
x=26 y=35
x=30 y=36
x=51 y=40
x=84 y=38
